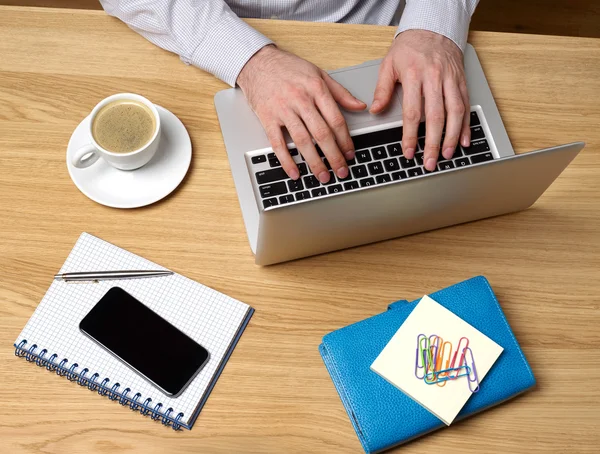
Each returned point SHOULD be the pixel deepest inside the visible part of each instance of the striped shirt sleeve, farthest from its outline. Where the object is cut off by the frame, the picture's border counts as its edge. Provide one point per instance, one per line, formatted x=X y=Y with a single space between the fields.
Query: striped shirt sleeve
x=450 y=18
x=206 y=33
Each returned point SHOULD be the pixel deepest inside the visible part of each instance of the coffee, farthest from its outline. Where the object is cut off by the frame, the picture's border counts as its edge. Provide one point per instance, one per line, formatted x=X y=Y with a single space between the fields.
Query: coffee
x=123 y=126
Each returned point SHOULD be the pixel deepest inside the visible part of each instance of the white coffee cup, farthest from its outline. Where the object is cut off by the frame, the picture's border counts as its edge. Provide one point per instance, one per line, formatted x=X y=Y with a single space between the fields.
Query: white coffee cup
x=89 y=154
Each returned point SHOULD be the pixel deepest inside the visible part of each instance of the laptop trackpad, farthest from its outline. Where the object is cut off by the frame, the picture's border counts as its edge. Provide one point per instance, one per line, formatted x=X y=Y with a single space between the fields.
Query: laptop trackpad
x=361 y=80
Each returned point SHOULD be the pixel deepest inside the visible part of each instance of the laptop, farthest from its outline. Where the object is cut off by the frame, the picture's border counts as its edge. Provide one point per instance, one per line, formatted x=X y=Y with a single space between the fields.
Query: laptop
x=385 y=196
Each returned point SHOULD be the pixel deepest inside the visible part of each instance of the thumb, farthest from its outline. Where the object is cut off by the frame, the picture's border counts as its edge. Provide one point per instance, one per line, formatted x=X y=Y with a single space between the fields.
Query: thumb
x=386 y=83
x=342 y=95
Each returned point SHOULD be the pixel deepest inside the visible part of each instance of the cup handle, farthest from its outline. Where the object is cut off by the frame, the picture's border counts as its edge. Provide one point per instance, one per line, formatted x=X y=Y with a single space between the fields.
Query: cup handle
x=85 y=156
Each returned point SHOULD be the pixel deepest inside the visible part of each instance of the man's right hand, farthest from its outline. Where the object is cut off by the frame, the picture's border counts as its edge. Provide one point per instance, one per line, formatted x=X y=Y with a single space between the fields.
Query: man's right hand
x=285 y=90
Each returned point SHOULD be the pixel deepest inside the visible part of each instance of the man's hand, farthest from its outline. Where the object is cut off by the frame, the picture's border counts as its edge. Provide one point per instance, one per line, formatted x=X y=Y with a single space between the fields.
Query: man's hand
x=285 y=90
x=427 y=65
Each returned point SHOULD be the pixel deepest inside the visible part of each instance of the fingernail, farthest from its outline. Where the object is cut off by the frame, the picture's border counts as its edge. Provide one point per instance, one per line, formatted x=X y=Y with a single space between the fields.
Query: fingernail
x=409 y=153
x=294 y=175
x=349 y=155
x=324 y=177
x=448 y=153
x=430 y=164
x=342 y=172
x=465 y=141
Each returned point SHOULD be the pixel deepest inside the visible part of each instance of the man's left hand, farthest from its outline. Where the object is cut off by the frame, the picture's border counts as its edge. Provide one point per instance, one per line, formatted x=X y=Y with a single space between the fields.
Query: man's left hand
x=427 y=65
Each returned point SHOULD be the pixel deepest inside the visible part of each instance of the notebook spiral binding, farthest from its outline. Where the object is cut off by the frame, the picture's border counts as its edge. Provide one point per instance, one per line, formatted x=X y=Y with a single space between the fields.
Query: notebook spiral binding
x=125 y=397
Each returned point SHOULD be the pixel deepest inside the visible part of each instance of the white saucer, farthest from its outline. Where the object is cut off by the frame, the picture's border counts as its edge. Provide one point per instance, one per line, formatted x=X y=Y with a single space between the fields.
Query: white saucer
x=135 y=188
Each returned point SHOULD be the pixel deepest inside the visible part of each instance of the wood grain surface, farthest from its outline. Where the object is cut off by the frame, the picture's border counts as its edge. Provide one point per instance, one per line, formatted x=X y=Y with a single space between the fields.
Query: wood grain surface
x=275 y=394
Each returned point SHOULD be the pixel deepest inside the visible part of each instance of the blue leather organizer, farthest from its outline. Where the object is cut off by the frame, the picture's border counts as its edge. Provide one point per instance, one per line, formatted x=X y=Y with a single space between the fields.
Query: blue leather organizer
x=382 y=415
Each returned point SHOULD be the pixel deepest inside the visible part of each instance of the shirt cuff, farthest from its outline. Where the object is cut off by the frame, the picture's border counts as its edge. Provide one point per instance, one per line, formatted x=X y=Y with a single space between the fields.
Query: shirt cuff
x=445 y=17
x=227 y=47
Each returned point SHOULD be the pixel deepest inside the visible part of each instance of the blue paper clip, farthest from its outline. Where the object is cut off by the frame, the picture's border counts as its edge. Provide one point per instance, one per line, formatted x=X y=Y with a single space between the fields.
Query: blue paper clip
x=436 y=374
x=473 y=369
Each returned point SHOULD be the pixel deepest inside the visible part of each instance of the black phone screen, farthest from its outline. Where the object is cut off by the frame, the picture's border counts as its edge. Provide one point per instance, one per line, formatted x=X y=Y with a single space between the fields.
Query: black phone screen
x=146 y=342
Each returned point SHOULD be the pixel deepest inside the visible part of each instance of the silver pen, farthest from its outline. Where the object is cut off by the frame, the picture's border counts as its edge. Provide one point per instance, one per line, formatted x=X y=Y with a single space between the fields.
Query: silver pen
x=110 y=275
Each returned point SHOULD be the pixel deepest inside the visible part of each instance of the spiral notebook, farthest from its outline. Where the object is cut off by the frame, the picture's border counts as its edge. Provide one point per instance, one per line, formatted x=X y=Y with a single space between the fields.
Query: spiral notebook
x=52 y=338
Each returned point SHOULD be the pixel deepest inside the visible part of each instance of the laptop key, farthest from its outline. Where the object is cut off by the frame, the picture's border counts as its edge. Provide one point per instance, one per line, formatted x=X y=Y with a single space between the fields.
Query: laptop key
x=269 y=190
x=295 y=185
x=274 y=162
x=318 y=192
x=351 y=162
x=303 y=169
x=477 y=133
x=359 y=171
x=286 y=198
x=446 y=165
x=331 y=179
x=268 y=176
x=351 y=185
x=421 y=131
x=349 y=177
x=391 y=165
x=394 y=149
x=363 y=156
x=414 y=172
x=482 y=157
x=406 y=163
x=335 y=189
x=478 y=146
x=293 y=152
x=367 y=182
x=462 y=162
x=385 y=178
x=311 y=181
x=271 y=156
x=302 y=195
x=375 y=168
x=379 y=153
x=258 y=159
x=270 y=202
x=399 y=175
x=421 y=143
x=474 y=119
x=419 y=159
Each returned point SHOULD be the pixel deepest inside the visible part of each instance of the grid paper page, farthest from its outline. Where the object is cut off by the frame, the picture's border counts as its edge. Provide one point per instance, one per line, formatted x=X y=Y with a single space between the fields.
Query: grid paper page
x=207 y=316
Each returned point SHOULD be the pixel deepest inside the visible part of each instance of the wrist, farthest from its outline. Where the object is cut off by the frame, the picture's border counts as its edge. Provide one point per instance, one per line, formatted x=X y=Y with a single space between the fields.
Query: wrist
x=255 y=63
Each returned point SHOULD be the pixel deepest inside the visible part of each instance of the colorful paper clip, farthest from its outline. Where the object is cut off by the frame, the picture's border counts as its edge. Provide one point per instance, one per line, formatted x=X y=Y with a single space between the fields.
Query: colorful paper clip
x=435 y=375
x=473 y=369
x=436 y=361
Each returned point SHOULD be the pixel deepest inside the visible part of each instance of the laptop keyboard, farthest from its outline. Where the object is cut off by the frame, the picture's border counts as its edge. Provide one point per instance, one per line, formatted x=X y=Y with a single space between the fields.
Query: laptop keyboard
x=378 y=160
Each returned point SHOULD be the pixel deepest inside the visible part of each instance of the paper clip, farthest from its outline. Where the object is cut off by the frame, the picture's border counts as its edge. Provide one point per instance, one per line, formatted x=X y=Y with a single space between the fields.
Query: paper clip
x=434 y=375
x=453 y=364
x=420 y=355
x=433 y=350
x=473 y=369
x=441 y=368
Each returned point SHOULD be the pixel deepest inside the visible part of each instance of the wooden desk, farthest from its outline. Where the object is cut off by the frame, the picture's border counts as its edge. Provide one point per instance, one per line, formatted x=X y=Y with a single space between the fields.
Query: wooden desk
x=275 y=394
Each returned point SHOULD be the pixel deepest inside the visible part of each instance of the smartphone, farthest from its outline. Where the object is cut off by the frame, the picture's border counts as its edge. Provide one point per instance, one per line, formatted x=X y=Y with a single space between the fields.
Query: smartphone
x=144 y=341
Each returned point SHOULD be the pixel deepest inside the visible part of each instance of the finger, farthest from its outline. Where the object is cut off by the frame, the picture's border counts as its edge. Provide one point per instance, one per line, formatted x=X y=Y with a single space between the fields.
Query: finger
x=386 y=82
x=324 y=137
x=455 y=113
x=466 y=128
x=434 y=120
x=337 y=123
x=411 y=113
x=280 y=148
x=342 y=95
x=304 y=144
